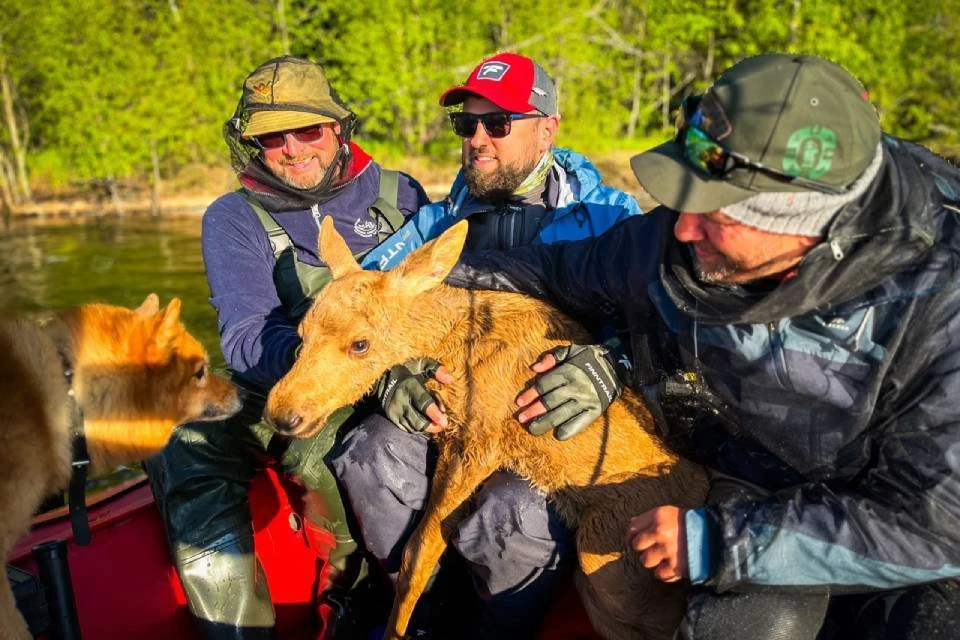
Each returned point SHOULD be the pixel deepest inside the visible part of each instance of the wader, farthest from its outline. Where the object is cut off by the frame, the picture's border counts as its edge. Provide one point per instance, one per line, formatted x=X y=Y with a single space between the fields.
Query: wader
x=200 y=479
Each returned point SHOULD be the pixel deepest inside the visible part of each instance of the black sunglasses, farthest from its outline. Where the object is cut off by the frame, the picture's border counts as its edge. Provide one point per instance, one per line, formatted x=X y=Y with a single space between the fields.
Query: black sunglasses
x=276 y=139
x=708 y=156
x=496 y=123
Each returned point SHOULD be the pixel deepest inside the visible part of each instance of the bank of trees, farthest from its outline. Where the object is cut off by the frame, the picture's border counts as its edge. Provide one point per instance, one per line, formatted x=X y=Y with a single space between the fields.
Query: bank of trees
x=97 y=93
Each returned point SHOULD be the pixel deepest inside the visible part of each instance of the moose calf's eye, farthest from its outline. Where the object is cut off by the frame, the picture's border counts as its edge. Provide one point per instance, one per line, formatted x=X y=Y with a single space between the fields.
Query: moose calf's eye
x=359 y=347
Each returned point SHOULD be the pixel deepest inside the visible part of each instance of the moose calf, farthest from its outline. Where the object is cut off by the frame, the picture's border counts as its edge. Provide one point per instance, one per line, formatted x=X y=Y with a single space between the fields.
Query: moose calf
x=364 y=322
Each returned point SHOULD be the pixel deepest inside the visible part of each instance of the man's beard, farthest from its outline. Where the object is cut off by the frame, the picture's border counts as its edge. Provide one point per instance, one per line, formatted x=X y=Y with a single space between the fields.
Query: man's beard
x=499 y=184
x=715 y=275
x=717 y=271
x=304 y=182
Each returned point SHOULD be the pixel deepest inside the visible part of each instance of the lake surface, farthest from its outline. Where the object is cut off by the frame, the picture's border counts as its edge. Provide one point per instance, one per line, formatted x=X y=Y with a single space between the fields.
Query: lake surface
x=118 y=260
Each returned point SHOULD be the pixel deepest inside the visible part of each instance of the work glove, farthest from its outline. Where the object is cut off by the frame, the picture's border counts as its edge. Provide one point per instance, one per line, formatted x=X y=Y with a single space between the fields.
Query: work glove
x=577 y=391
x=403 y=396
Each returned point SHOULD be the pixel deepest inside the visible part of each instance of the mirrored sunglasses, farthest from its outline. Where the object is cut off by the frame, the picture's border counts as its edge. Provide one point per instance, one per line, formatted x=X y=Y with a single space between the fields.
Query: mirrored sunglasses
x=496 y=124
x=276 y=139
x=710 y=158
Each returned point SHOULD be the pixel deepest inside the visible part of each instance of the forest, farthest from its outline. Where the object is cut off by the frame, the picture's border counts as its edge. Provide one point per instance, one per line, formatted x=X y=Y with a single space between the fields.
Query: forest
x=99 y=94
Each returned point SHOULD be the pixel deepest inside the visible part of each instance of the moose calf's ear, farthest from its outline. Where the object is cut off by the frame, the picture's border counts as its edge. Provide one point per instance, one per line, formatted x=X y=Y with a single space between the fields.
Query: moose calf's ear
x=334 y=250
x=426 y=267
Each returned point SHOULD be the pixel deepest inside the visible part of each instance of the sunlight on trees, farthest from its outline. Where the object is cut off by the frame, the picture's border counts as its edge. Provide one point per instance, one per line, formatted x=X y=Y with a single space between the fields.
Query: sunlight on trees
x=95 y=93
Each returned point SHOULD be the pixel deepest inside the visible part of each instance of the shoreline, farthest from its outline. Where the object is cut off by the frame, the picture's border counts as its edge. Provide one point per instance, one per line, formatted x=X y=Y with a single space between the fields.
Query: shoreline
x=173 y=206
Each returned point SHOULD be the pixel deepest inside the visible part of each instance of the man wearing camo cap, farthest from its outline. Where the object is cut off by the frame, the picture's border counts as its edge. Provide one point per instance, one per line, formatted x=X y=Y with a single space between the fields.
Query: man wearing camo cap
x=290 y=144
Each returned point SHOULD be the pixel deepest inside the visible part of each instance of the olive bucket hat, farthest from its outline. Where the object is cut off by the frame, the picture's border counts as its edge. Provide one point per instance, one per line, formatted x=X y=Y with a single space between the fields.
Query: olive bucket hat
x=771 y=123
x=287 y=93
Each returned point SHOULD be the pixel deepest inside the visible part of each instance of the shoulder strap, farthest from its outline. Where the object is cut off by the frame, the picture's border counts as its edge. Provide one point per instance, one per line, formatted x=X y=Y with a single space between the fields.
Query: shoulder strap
x=279 y=240
x=385 y=206
x=389 y=186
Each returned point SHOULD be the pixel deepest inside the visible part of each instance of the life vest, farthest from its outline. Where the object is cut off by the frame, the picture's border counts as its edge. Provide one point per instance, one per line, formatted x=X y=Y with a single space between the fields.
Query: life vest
x=297 y=282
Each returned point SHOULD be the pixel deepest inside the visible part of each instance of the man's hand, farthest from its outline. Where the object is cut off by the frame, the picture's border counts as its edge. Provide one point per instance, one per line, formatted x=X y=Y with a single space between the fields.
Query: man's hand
x=577 y=384
x=406 y=402
x=659 y=536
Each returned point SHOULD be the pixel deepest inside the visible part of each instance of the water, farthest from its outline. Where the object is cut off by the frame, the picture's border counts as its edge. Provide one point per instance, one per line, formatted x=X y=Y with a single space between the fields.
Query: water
x=117 y=260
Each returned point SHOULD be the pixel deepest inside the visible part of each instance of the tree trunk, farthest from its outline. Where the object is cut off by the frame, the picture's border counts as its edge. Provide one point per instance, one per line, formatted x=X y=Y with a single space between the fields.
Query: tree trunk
x=282 y=26
x=6 y=192
x=795 y=22
x=16 y=147
x=665 y=93
x=711 y=53
x=636 y=97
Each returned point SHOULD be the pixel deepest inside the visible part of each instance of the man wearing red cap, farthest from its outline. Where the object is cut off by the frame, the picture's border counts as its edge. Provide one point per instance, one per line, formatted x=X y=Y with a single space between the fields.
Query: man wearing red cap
x=516 y=189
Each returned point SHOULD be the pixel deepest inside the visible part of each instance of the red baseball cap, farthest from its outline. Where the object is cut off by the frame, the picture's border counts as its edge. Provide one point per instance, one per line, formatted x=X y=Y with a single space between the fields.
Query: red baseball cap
x=513 y=82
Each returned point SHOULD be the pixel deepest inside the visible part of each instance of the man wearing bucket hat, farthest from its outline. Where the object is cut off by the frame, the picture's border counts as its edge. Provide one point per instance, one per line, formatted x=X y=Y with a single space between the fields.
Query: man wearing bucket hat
x=515 y=188
x=290 y=144
x=794 y=317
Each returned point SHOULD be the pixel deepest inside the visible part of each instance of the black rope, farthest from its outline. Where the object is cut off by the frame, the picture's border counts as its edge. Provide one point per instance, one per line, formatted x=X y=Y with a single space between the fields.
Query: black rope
x=77 y=493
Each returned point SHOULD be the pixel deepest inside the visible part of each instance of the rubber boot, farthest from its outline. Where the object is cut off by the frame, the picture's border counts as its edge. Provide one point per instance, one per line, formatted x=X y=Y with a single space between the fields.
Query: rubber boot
x=226 y=588
x=200 y=483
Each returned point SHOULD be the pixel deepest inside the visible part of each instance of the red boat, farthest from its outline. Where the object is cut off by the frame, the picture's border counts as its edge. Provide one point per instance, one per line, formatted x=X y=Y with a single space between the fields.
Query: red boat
x=125 y=586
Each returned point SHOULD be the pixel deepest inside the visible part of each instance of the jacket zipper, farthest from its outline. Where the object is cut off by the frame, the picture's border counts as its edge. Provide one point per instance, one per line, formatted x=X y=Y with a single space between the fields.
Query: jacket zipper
x=776 y=351
x=315 y=212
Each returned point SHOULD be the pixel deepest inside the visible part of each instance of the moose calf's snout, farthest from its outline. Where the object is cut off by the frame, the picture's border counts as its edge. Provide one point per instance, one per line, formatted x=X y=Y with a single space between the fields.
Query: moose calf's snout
x=283 y=421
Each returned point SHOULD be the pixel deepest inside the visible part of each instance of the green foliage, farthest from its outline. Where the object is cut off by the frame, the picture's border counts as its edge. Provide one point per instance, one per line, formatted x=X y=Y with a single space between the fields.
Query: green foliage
x=100 y=87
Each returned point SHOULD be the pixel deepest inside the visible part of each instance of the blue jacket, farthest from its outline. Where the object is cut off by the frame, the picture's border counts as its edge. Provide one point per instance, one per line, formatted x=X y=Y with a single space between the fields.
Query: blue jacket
x=585 y=208
x=830 y=404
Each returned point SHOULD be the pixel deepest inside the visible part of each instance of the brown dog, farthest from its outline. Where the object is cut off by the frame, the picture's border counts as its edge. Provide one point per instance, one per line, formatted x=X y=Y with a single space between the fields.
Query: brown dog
x=364 y=322
x=130 y=376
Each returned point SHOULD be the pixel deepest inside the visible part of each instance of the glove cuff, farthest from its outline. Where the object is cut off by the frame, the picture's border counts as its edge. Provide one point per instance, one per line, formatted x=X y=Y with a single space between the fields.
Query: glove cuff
x=618 y=355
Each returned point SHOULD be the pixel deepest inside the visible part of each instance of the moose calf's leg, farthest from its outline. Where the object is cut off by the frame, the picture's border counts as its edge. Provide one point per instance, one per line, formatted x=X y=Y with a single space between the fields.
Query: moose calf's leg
x=453 y=484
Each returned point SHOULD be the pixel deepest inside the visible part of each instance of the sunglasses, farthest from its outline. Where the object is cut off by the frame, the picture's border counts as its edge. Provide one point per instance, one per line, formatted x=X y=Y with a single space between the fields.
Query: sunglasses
x=708 y=156
x=276 y=139
x=496 y=123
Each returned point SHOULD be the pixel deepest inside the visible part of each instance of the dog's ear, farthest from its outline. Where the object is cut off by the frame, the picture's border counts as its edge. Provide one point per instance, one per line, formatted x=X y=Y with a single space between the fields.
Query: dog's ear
x=150 y=306
x=169 y=328
x=426 y=267
x=334 y=250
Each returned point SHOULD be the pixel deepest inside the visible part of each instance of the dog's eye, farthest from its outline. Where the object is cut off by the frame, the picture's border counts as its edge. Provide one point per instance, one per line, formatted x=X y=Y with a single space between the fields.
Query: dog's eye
x=359 y=347
x=202 y=371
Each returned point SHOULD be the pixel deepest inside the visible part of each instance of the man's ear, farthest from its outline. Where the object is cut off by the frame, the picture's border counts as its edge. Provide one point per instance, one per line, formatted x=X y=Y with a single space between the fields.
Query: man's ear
x=548 y=132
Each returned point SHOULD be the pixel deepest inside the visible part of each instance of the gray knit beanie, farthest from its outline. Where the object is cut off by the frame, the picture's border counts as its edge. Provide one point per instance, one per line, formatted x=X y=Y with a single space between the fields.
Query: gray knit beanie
x=805 y=213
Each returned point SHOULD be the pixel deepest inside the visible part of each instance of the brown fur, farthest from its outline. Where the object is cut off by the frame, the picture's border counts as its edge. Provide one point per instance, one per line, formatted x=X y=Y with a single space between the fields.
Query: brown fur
x=136 y=375
x=363 y=322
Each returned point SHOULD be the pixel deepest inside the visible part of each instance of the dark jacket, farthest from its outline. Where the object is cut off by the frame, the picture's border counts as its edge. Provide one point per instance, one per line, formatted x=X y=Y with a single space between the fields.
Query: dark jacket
x=832 y=400
x=257 y=336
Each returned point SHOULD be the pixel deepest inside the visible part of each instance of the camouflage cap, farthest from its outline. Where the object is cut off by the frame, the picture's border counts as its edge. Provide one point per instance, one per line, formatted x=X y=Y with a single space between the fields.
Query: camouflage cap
x=798 y=115
x=287 y=93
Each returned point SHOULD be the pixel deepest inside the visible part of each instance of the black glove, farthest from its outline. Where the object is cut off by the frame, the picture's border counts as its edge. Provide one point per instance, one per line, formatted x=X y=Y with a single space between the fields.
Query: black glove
x=577 y=391
x=403 y=397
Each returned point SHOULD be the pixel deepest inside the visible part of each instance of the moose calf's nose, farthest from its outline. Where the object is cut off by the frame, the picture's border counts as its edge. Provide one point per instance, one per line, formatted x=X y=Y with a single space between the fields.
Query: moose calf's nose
x=283 y=422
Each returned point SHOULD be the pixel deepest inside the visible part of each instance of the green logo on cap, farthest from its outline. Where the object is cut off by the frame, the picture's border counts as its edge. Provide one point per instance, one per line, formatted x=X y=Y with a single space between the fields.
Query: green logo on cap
x=810 y=152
